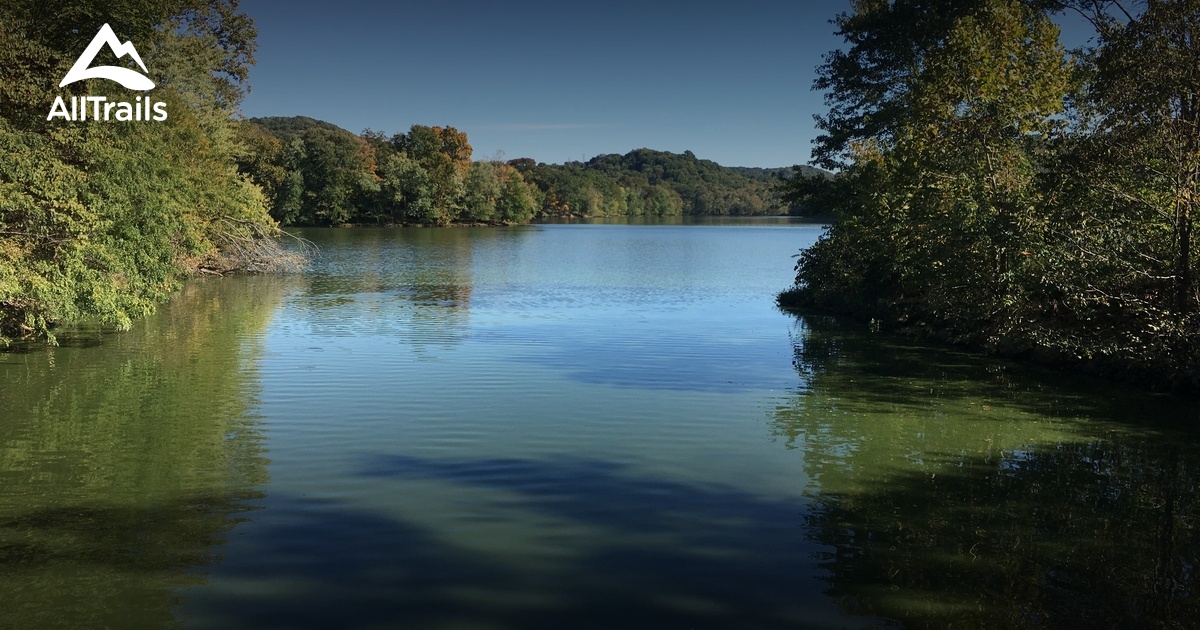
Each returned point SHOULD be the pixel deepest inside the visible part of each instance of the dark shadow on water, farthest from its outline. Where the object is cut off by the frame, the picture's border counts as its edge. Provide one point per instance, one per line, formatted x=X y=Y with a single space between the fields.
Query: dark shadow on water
x=875 y=370
x=111 y=567
x=670 y=555
x=323 y=567
x=960 y=491
x=166 y=536
x=604 y=493
x=1077 y=536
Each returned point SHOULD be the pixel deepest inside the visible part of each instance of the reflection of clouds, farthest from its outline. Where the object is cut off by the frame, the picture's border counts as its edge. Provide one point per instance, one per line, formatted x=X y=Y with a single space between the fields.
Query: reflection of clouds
x=654 y=355
x=644 y=552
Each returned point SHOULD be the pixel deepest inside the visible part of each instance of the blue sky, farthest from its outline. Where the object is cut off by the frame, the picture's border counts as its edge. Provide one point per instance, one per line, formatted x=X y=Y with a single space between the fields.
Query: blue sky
x=555 y=80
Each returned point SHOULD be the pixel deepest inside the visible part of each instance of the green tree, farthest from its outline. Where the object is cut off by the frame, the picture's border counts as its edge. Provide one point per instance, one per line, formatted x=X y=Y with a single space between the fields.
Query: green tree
x=1117 y=276
x=482 y=190
x=103 y=219
x=518 y=200
x=867 y=85
x=661 y=201
x=408 y=190
x=445 y=155
x=974 y=207
x=337 y=168
x=1147 y=99
x=261 y=158
x=498 y=193
x=939 y=111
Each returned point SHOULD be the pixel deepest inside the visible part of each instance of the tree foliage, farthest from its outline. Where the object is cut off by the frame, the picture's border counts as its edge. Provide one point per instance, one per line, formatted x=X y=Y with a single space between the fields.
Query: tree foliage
x=999 y=192
x=103 y=218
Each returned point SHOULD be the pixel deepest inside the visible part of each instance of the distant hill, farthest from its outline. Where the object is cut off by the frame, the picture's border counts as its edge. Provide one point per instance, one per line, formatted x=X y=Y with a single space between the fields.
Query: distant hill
x=652 y=182
x=288 y=127
x=316 y=173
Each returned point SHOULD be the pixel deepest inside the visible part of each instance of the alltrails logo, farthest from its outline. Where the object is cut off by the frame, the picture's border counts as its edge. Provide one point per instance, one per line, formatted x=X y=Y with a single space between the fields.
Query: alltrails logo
x=99 y=107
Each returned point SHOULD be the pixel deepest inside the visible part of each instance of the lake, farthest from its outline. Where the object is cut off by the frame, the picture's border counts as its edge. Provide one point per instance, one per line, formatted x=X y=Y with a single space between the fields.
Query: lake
x=573 y=426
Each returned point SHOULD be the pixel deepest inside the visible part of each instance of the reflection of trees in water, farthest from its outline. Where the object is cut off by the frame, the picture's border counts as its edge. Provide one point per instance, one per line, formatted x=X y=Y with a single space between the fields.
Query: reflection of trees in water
x=955 y=492
x=426 y=265
x=123 y=462
x=415 y=283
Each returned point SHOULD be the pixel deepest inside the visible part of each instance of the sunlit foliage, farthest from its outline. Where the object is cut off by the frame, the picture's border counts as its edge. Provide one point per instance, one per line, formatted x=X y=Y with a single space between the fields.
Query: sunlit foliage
x=103 y=218
x=998 y=191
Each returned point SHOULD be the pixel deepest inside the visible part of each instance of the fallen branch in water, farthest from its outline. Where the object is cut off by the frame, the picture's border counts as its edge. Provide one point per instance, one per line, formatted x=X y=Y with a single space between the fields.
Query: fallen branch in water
x=249 y=247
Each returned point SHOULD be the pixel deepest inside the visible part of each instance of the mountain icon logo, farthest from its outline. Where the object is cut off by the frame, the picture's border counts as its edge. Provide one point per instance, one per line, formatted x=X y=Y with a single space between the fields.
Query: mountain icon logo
x=124 y=76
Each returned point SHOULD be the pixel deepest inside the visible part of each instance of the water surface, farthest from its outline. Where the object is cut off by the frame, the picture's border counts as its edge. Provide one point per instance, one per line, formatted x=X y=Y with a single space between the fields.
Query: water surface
x=572 y=426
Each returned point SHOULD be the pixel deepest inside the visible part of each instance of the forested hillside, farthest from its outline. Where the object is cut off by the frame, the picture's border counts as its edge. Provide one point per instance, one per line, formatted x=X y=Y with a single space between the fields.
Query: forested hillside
x=656 y=183
x=102 y=218
x=999 y=191
x=315 y=173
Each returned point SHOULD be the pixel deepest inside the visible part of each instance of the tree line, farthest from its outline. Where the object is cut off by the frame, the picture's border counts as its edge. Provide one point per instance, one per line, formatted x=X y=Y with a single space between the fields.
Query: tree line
x=998 y=190
x=103 y=219
x=315 y=173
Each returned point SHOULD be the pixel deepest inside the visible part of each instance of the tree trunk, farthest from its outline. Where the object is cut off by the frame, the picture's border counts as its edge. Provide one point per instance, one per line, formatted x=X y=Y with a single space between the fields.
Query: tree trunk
x=1183 y=264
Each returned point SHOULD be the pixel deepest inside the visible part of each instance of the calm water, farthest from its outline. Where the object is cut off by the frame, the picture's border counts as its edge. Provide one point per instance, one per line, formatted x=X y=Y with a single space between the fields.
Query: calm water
x=572 y=426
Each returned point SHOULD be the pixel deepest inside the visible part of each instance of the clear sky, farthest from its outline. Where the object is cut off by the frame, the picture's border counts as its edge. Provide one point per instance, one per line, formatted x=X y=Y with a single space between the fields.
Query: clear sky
x=554 y=80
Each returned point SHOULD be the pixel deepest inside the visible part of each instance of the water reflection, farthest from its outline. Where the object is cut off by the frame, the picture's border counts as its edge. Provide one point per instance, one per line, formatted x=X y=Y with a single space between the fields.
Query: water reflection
x=409 y=284
x=963 y=493
x=123 y=467
x=425 y=267
x=687 y=220
x=667 y=359
x=616 y=549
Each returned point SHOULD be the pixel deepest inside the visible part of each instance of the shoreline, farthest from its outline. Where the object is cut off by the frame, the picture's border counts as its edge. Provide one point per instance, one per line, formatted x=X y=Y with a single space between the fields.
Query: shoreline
x=1104 y=367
